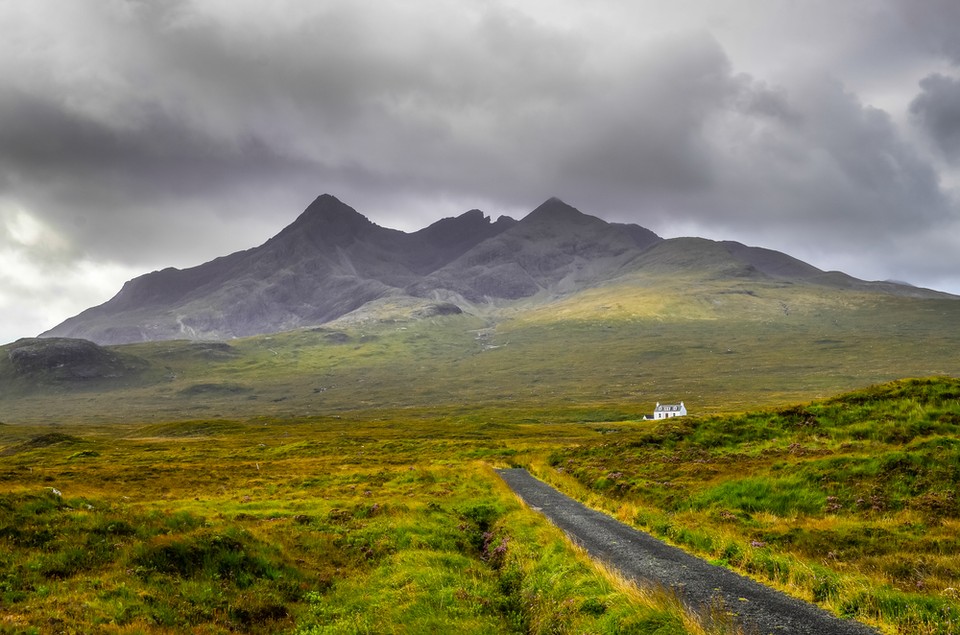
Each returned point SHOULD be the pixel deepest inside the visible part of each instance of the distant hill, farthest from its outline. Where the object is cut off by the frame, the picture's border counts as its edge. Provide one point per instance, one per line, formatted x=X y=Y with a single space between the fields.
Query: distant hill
x=333 y=262
x=33 y=363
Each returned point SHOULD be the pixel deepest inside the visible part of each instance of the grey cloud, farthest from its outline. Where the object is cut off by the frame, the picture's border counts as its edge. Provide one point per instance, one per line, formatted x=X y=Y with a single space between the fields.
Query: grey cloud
x=200 y=106
x=496 y=103
x=820 y=176
x=937 y=110
x=757 y=99
x=640 y=133
x=100 y=183
x=187 y=131
x=519 y=113
x=885 y=178
x=934 y=24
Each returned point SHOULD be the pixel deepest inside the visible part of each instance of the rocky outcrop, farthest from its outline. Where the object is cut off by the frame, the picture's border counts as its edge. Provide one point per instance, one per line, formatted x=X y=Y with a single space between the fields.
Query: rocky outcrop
x=62 y=360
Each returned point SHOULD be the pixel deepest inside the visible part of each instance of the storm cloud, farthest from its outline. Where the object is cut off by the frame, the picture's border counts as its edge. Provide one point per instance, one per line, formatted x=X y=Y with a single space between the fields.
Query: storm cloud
x=136 y=135
x=937 y=109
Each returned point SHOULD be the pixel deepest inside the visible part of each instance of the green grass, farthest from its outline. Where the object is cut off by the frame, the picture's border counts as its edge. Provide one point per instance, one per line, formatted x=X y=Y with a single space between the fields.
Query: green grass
x=346 y=524
x=849 y=502
x=310 y=526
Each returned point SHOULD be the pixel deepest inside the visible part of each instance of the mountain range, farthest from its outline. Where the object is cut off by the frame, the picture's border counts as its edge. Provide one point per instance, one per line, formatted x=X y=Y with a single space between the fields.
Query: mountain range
x=332 y=262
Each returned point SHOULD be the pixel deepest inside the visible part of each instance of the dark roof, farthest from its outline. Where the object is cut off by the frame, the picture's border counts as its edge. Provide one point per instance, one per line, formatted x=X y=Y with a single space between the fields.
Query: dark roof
x=668 y=407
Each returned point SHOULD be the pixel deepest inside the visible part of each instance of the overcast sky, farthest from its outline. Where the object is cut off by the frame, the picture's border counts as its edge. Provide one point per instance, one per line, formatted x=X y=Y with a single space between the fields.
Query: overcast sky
x=138 y=134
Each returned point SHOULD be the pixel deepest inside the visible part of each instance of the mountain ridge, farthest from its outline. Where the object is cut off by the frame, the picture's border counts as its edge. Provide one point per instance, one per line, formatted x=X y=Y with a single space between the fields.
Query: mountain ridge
x=332 y=261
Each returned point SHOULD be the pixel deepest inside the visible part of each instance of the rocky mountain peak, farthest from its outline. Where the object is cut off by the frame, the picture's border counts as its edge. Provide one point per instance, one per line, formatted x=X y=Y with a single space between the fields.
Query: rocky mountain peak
x=328 y=207
x=332 y=261
x=461 y=227
x=555 y=211
x=329 y=220
x=449 y=238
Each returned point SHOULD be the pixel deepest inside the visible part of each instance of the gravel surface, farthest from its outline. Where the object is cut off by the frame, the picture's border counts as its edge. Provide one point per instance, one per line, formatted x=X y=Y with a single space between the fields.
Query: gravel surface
x=649 y=561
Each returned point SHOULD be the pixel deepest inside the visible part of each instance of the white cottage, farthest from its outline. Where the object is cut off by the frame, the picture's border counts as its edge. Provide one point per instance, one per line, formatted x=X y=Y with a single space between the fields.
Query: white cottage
x=667 y=410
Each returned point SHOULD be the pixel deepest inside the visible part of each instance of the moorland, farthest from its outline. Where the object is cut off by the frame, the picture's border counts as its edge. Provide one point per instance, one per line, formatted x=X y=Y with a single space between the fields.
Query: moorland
x=338 y=477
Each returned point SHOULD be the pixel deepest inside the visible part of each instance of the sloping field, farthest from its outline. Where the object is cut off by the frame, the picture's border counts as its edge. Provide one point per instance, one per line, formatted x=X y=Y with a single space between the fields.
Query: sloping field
x=720 y=346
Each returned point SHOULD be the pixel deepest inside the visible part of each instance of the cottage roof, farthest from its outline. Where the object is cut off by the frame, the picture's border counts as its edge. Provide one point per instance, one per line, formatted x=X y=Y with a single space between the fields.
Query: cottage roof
x=669 y=407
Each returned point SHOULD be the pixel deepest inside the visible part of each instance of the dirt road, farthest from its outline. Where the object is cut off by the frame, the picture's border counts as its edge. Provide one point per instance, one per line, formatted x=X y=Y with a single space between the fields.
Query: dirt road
x=649 y=561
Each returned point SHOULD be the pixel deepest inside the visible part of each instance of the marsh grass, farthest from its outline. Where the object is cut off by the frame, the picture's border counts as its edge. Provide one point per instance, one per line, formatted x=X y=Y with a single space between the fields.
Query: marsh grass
x=310 y=526
x=849 y=502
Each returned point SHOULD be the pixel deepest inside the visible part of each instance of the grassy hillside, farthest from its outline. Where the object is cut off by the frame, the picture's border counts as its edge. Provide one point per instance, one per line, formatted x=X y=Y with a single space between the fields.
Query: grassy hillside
x=850 y=502
x=721 y=345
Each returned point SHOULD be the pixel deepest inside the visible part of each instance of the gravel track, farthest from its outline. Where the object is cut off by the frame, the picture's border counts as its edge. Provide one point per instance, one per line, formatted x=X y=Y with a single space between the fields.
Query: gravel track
x=651 y=562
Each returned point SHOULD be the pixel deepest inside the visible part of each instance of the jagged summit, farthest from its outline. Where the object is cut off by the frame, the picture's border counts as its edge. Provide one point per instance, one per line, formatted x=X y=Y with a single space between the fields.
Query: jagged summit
x=327 y=208
x=329 y=220
x=333 y=261
x=459 y=227
x=554 y=210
